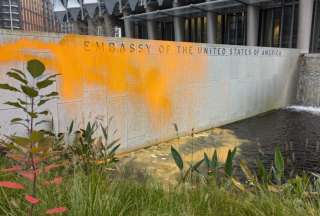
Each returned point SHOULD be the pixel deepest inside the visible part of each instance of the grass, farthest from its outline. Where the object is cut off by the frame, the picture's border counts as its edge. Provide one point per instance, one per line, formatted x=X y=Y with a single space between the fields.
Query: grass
x=103 y=194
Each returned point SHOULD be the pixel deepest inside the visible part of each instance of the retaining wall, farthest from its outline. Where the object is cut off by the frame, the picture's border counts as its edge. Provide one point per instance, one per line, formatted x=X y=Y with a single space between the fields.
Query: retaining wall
x=146 y=86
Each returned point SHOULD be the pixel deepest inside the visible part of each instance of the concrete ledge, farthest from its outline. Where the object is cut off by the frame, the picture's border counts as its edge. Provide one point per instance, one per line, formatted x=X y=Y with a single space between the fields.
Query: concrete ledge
x=312 y=55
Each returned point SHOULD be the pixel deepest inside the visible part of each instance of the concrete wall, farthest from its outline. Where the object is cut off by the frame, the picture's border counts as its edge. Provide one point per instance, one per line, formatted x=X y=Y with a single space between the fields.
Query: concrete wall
x=199 y=85
x=309 y=80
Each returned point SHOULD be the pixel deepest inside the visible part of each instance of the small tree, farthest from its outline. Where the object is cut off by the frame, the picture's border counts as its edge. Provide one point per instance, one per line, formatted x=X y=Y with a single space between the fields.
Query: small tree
x=31 y=94
x=31 y=154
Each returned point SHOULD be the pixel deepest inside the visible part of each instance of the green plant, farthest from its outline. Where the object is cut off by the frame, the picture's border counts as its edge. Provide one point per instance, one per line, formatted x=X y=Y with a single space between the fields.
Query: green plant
x=273 y=180
x=186 y=173
x=32 y=154
x=97 y=195
x=31 y=94
x=278 y=169
x=214 y=167
x=263 y=176
x=33 y=159
x=213 y=164
x=228 y=168
x=89 y=150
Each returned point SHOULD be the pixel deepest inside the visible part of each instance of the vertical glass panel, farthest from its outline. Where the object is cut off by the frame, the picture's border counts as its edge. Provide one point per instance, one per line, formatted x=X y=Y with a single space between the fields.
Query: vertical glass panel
x=286 y=27
x=276 y=28
x=231 y=29
x=193 y=30
x=295 y=27
x=167 y=31
x=279 y=25
x=240 y=29
x=205 y=31
x=187 y=29
x=140 y=30
x=199 y=29
x=315 y=45
x=219 y=29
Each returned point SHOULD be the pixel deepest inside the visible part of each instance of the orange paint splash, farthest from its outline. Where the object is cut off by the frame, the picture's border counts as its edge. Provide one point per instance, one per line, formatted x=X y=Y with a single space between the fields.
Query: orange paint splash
x=149 y=71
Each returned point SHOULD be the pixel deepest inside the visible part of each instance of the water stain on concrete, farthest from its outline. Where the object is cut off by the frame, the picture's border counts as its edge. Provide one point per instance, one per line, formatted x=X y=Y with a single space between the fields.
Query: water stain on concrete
x=158 y=162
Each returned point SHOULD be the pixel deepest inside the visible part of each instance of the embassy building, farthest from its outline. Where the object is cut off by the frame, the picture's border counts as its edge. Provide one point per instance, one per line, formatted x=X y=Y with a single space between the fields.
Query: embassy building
x=269 y=23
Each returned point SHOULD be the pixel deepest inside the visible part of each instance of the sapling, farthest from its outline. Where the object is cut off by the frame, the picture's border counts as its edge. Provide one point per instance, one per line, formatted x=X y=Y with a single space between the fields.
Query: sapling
x=32 y=154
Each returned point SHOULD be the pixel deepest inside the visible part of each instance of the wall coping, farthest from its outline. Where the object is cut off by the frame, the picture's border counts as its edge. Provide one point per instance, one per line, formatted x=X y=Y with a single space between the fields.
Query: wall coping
x=312 y=55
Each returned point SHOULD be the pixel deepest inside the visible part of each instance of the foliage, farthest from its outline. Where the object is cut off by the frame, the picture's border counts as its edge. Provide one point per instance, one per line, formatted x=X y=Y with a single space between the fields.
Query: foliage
x=87 y=149
x=228 y=168
x=33 y=162
x=214 y=168
x=32 y=94
x=278 y=168
x=32 y=155
x=188 y=173
x=97 y=195
x=213 y=164
x=274 y=180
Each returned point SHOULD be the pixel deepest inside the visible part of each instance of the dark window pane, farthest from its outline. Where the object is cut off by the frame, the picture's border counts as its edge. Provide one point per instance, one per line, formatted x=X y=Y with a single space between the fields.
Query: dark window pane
x=276 y=28
x=315 y=45
x=286 y=26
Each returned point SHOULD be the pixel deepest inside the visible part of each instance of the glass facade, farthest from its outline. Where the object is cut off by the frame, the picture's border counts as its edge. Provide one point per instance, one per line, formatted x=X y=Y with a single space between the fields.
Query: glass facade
x=10 y=14
x=195 y=29
x=279 y=25
x=140 y=30
x=28 y=15
x=32 y=15
x=166 y=30
x=231 y=28
x=49 y=21
x=315 y=42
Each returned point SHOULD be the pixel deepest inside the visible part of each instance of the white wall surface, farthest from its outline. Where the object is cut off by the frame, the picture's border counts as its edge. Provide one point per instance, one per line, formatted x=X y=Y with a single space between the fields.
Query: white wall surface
x=233 y=87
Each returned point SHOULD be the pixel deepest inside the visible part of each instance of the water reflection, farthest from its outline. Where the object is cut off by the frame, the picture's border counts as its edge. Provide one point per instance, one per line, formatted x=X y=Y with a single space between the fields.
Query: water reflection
x=295 y=131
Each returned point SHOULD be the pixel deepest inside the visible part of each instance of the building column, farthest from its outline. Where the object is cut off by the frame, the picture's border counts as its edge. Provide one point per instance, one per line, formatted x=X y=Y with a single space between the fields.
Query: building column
x=305 y=24
x=91 y=27
x=151 y=24
x=128 y=25
x=108 y=25
x=178 y=23
x=252 y=25
x=211 y=26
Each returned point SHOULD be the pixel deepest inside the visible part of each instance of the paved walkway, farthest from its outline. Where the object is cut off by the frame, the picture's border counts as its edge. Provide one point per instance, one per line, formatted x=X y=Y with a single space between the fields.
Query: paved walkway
x=157 y=160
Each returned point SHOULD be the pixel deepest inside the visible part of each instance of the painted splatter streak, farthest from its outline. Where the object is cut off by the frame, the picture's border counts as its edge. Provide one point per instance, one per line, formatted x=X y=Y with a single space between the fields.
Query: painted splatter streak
x=149 y=71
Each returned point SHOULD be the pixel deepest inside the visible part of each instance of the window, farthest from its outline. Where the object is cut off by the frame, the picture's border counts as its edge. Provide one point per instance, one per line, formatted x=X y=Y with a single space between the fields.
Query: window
x=231 y=28
x=166 y=30
x=315 y=42
x=279 y=25
x=196 y=29
x=140 y=30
